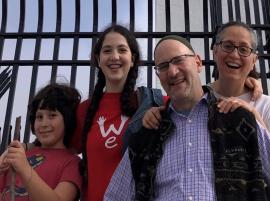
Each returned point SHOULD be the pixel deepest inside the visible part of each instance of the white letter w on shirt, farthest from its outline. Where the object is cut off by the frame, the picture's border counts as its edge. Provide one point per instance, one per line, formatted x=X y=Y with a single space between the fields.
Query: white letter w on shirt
x=101 y=121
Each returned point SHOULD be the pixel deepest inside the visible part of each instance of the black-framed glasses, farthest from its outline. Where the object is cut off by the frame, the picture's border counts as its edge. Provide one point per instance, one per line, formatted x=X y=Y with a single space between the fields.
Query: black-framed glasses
x=178 y=60
x=229 y=47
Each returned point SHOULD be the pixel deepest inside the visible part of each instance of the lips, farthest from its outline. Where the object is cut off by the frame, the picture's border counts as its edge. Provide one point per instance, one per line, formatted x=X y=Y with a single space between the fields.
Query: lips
x=176 y=82
x=233 y=65
x=114 y=66
x=44 y=132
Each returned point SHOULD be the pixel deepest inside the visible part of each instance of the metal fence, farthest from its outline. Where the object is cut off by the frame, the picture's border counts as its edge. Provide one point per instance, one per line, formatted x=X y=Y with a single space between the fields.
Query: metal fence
x=157 y=15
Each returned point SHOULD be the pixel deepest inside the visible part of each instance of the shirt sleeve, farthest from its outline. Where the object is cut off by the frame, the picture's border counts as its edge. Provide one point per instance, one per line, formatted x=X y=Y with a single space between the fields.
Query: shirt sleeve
x=121 y=187
x=264 y=147
x=71 y=172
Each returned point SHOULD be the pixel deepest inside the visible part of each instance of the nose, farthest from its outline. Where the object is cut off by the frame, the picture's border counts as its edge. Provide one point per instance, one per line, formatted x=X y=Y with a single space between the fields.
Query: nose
x=44 y=122
x=115 y=55
x=172 y=70
x=235 y=53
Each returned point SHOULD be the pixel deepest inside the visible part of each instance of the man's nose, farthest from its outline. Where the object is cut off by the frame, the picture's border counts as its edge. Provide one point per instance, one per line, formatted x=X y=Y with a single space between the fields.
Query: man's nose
x=173 y=69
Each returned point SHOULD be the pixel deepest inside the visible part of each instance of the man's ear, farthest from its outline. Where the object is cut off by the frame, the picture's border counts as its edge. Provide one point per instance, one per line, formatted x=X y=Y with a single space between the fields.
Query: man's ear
x=198 y=62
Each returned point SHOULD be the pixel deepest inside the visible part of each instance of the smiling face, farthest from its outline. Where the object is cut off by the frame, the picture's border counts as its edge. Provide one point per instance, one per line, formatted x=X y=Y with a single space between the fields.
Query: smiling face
x=115 y=61
x=181 y=81
x=49 y=128
x=231 y=65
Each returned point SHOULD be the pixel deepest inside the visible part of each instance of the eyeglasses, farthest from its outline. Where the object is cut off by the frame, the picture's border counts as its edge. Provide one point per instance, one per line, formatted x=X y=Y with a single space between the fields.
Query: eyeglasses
x=229 y=47
x=178 y=60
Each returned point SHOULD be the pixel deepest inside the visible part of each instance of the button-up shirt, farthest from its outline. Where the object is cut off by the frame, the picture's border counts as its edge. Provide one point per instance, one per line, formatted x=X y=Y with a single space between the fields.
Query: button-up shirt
x=185 y=171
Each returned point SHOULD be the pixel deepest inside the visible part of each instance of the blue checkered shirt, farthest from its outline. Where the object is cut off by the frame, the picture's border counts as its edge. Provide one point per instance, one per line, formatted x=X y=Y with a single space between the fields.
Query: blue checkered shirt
x=185 y=171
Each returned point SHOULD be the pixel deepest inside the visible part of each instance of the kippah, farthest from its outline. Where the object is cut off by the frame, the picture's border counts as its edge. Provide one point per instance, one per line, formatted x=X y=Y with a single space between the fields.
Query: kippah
x=178 y=38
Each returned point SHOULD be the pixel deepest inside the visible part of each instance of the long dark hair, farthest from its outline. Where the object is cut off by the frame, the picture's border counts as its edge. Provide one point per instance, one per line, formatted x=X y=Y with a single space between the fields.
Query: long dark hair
x=127 y=96
x=59 y=97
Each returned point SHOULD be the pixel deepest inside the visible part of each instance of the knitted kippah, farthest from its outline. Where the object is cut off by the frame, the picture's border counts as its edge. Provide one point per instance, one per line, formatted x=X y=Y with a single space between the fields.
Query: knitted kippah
x=178 y=38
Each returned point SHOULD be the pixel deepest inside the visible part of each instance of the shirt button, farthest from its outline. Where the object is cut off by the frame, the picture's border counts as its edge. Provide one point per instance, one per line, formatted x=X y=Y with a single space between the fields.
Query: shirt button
x=190 y=198
x=189 y=120
x=190 y=170
x=190 y=144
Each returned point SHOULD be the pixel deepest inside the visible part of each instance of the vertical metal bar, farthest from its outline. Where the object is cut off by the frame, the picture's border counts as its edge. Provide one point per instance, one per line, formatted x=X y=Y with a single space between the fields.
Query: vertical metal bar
x=230 y=10
x=132 y=15
x=94 y=40
x=219 y=12
x=35 y=68
x=213 y=15
x=4 y=81
x=56 y=40
x=206 y=41
x=3 y=26
x=75 y=43
x=114 y=12
x=150 y=44
x=266 y=15
x=216 y=21
x=9 y=108
x=16 y=136
x=260 y=48
x=247 y=10
x=187 y=21
x=237 y=10
x=26 y=136
x=168 y=15
x=13 y=77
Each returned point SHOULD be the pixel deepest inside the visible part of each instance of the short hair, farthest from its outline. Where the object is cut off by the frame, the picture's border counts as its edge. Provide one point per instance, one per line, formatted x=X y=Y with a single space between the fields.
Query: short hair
x=254 y=39
x=59 y=97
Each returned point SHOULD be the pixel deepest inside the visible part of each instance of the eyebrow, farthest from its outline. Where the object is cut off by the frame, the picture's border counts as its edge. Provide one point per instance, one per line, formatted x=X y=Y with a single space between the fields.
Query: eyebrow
x=110 y=46
x=241 y=43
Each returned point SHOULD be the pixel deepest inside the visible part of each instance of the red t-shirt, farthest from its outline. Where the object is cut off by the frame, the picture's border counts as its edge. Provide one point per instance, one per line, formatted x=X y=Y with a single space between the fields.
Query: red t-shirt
x=104 y=143
x=52 y=165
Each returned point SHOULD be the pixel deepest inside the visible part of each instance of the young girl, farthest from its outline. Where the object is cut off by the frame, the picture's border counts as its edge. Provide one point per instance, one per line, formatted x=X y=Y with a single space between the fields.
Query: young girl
x=49 y=171
x=102 y=121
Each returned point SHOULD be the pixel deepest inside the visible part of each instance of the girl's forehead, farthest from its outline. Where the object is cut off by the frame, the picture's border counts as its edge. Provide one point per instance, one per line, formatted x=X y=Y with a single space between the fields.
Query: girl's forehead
x=114 y=38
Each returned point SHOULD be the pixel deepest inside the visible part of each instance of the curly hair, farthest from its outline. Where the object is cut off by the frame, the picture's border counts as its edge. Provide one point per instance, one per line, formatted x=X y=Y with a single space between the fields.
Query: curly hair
x=59 y=97
x=128 y=107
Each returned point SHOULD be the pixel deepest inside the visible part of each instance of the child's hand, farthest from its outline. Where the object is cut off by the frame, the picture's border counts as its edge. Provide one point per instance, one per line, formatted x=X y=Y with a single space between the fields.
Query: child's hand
x=16 y=157
x=4 y=166
x=152 y=117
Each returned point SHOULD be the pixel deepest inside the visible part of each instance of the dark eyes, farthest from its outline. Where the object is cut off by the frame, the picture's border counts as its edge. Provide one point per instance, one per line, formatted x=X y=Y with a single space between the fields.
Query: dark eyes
x=120 y=50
